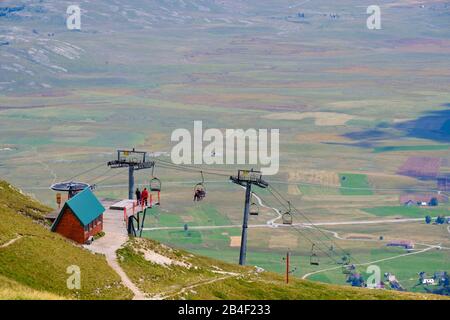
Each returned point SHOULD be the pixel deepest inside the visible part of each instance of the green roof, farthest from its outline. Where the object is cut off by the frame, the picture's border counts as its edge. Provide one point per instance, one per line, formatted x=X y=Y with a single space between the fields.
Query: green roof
x=85 y=206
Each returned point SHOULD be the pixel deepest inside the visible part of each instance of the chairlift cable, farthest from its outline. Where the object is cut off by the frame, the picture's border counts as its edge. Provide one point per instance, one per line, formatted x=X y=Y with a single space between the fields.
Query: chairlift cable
x=301 y=233
x=99 y=176
x=189 y=169
x=109 y=177
x=346 y=253
x=309 y=220
x=191 y=166
x=317 y=242
x=84 y=172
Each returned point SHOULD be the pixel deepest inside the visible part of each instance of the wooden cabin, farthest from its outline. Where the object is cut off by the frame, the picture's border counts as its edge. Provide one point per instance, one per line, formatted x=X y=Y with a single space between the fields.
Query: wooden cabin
x=80 y=218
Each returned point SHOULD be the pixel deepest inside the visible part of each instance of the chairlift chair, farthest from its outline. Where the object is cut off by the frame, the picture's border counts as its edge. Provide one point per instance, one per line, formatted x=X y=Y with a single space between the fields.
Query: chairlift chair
x=314 y=258
x=345 y=260
x=155 y=184
x=254 y=209
x=287 y=216
x=347 y=268
x=200 y=190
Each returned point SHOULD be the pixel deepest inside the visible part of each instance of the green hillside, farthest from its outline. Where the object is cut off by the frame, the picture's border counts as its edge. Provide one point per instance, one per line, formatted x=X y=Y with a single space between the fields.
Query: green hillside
x=163 y=272
x=33 y=263
x=36 y=259
x=12 y=290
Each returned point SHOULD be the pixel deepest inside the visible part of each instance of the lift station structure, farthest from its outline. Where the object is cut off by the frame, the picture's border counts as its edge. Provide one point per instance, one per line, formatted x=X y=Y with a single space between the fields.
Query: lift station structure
x=133 y=160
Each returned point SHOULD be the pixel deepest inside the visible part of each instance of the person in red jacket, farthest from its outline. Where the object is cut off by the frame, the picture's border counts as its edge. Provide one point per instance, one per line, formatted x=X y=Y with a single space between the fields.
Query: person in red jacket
x=144 y=197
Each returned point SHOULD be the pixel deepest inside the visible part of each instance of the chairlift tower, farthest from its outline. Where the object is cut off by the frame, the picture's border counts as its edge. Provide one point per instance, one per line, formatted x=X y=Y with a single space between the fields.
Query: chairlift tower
x=133 y=160
x=247 y=178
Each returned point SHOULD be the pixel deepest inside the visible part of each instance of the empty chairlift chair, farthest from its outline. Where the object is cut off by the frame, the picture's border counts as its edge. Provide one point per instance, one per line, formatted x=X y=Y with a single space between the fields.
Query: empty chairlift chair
x=314 y=258
x=347 y=268
x=287 y=216
x=254 y=209
x=155 y=186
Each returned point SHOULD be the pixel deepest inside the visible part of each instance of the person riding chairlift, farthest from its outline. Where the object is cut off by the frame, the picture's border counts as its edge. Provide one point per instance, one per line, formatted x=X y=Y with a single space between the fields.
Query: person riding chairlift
x=199 y=194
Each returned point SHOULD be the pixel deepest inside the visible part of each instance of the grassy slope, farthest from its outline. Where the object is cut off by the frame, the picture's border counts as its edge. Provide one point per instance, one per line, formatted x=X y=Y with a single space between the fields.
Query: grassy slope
x=38 y=259
x=410 y=212
x=197 y=282
x=356 y=181
x=12 y=290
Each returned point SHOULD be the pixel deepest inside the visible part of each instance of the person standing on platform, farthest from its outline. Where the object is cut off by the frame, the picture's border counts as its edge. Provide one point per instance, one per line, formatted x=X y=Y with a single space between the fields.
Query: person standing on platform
x=138 y=196
x=144 y=197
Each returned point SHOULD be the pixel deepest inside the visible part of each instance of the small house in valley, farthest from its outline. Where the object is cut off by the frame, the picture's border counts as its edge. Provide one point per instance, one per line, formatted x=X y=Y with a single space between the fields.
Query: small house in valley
x=80 y=218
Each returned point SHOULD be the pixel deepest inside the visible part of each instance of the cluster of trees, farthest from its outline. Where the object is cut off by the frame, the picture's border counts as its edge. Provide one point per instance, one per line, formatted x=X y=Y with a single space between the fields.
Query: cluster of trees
x=439 y=220
x=356 y=280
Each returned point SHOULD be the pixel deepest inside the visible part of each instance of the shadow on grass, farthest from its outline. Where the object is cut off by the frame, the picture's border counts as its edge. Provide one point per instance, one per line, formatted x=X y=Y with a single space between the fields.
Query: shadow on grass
x=433 y=125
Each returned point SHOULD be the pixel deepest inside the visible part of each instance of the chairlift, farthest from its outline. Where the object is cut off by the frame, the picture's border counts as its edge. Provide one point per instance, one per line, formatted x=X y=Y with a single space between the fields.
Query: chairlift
x=287 y=216
x=345 y=260
x=348 y=268
x=200 y=189
x=155 y=186
x=155 y=183
x=254 y=209
x=314 y=258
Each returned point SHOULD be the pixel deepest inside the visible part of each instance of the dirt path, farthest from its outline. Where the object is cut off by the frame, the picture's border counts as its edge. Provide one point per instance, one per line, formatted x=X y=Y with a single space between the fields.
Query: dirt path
x=370 y=262
x=115 y=237
x=10 y=242
x=261 y=204
x=195 y=285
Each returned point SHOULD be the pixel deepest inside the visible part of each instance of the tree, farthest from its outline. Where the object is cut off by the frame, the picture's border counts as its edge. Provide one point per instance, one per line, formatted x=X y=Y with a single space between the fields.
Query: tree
x=433 y=202
x=440 y=220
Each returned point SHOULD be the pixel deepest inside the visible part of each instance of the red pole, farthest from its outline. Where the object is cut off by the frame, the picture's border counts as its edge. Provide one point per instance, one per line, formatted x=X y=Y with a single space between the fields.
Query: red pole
x=287 y=267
